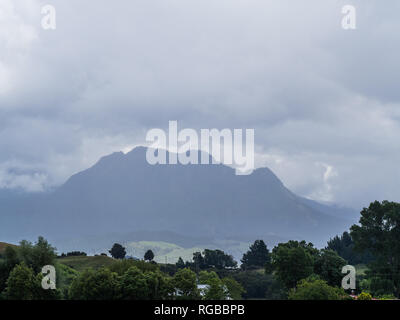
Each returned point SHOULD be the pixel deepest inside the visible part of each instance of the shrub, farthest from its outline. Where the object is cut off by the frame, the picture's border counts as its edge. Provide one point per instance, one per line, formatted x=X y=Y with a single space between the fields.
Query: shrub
x=364 y=296
x=316 y=290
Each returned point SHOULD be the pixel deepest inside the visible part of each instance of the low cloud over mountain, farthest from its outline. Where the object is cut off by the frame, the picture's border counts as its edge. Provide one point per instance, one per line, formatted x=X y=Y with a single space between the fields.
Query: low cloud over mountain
x=123 y=193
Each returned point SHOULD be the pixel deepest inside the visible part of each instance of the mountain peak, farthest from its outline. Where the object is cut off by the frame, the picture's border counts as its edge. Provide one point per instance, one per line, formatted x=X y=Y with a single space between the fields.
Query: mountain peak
x=124 y=193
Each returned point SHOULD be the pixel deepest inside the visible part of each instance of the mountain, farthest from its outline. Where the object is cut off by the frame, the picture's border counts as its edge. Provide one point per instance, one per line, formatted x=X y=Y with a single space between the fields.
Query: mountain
x=122 y=193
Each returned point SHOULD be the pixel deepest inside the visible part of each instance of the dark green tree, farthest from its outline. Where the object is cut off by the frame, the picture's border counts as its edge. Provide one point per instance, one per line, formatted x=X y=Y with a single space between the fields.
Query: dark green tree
x=344 y=246
x=328 y=265
x=42 y=254
x=379 y=233
x=161 y=286
x=218 y=259
x=21 y=283
x=117 y=251
x=149 y=255
x=34 y=256
x=9 y=261
x=198 y=261
x=257 y=257
x=134 y=285
x=92 y=284
x=293 y=261
x=259 y=285
x=184 y=281
x=180 y=263
x=37 y=255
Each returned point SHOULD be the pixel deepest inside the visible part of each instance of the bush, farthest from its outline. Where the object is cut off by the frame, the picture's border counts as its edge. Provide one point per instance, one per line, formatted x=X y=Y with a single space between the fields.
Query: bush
x=316 y=290
x=101 y=284
x=364 y=296
x=260 y=285
x=21 y=283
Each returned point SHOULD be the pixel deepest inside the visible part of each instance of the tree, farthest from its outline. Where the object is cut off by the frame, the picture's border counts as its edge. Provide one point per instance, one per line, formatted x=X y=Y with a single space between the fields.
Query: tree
x=259 y=285
x=117 y=251
x=42 y=254
x=235 y=289
x=45 y=294
x=37 y=255
x=92 y=284
x=328 y=265
x=149 y=255
x=218 y=259
x=185 y=283
x=216 y=290
x=161 y=286
x=378 y=285
x=344 y=246
x=293 y=261
x=134 y=285
x=316 y=290
x=180 y=264
x=21 y=284
x=257 y=257
x=198 y=261
x=10 y=260
x=205 y=276
x=379 y=233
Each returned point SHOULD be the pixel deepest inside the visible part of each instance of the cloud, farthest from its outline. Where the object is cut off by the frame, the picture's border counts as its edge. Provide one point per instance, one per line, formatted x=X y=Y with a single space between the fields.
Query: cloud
x=314 y=93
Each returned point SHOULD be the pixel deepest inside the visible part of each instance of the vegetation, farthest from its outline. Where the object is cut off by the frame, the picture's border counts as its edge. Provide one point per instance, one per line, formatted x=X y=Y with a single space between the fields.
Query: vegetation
x=364 y=296
x=294 y=270
x=73 y=254
x=328 y=265
x=149 y=255
x=257 y=257
x=81 y=263
x=118 y=251
x=316 y=290
x=293 y=261
x=4 y=245
x=344 y=246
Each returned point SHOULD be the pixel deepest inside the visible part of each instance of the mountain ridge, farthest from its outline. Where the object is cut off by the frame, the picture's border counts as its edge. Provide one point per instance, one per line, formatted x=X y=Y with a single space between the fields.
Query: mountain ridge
x=123 y=193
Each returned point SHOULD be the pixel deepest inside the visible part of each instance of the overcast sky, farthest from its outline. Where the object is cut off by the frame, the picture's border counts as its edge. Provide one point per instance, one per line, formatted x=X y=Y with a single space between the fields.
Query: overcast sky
x=324 y=101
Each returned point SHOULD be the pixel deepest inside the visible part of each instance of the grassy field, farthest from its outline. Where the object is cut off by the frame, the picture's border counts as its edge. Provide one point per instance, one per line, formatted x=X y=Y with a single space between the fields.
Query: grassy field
x=3 y=246
x=80 y=263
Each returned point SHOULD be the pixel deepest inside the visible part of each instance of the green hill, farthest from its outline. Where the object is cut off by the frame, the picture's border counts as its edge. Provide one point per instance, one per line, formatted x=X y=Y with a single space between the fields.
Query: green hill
x=80 y=263
x=4 y=245
x=163 y=251
x=170 y=253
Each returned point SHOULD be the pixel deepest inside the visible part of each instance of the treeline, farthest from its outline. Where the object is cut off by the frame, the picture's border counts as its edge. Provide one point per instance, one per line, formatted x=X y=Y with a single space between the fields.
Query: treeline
x=291 y=270
x=73 y=254
x=124 y=279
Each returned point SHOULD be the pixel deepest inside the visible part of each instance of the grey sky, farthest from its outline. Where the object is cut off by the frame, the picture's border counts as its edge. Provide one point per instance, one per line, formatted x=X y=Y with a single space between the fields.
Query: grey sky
x=324 y=102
